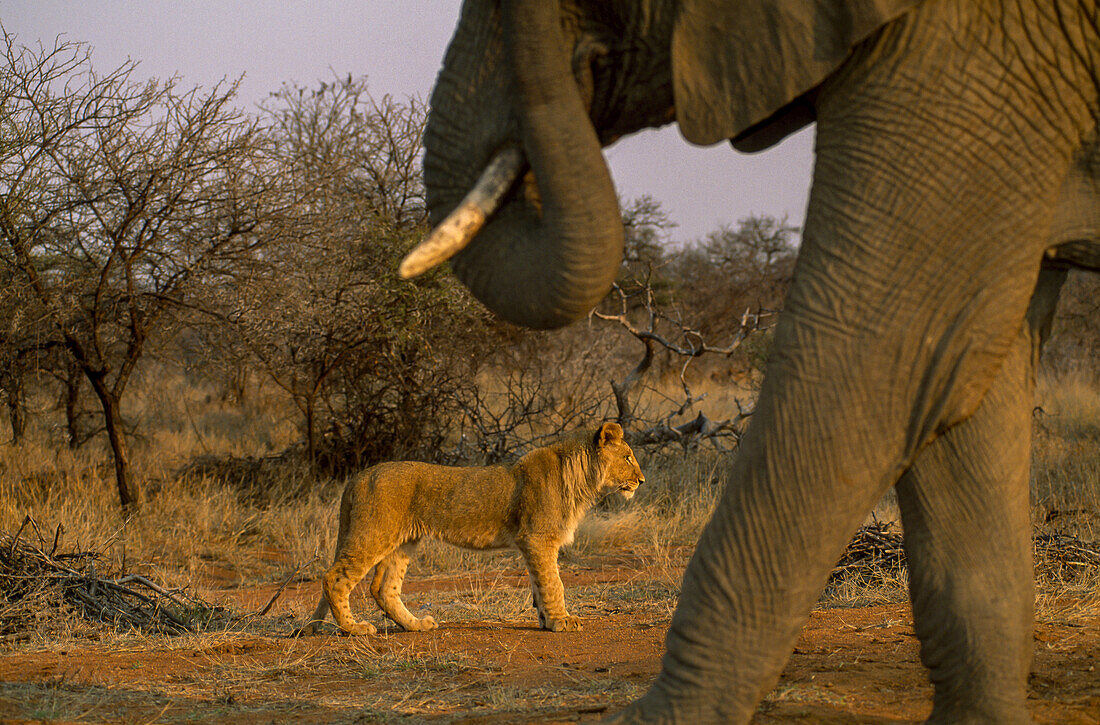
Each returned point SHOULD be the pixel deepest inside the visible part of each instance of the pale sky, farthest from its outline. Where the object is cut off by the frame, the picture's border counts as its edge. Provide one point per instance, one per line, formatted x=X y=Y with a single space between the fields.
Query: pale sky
x=398 y=45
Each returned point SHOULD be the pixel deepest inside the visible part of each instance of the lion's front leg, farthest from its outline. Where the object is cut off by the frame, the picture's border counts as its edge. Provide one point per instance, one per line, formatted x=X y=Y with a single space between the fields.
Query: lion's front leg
x=547 y=591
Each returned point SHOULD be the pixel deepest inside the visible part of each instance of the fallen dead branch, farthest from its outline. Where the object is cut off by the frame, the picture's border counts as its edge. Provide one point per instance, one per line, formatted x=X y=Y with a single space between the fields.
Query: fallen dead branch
x=39 y=583
x=274 y=597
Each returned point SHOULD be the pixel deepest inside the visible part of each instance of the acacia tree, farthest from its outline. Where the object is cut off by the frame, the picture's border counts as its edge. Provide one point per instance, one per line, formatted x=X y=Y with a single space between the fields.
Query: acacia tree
x=365 y=357
x=119 y=195
x=24 y=341
x=734 y=269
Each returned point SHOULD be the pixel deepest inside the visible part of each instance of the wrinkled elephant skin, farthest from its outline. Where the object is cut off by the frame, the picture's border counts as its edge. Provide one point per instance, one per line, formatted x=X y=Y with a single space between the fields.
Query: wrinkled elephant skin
x=955 y=180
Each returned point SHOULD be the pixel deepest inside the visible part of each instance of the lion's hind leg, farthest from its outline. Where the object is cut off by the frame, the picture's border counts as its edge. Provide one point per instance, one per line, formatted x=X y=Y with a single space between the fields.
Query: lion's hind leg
x=345 y=573
x=310 y=627
x=386 y=589
x=318 y=616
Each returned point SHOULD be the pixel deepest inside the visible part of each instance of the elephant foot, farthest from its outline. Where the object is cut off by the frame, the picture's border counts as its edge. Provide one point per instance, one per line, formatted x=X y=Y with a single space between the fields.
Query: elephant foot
x=647 y=711
x=976 y=711
x=670 y=703
x=632 y=714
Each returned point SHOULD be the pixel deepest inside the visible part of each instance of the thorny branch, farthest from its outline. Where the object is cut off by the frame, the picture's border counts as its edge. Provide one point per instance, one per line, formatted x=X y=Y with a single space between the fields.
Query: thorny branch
x=674 y=335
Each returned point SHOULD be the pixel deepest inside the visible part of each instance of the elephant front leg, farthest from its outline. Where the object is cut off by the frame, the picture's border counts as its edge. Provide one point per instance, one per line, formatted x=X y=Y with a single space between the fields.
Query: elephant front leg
x=911 y=289
x=547 y=592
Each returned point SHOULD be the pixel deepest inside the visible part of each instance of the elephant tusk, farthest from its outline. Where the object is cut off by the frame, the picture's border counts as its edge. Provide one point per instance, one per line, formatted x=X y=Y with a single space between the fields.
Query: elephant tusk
x=462 y=225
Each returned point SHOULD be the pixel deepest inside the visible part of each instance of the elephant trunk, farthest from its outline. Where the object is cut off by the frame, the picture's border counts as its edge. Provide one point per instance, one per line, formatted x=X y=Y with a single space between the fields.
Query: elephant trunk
x=551 y=252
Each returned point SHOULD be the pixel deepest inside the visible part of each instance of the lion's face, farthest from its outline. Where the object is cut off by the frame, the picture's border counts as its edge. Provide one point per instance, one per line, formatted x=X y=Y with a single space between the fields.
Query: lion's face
x=623 y=472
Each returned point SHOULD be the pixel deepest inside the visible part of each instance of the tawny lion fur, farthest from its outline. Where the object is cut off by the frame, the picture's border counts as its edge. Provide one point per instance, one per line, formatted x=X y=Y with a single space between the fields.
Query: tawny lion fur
x=534 y=505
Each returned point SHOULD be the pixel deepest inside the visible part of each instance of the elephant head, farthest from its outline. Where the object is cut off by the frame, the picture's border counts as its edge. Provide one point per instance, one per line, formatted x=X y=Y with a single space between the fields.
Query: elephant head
x=946 y=130
x=559 y=82
x=550 y=253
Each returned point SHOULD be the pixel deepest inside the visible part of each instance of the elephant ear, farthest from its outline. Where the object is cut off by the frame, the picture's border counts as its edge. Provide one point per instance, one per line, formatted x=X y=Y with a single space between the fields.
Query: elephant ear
x=740 y=68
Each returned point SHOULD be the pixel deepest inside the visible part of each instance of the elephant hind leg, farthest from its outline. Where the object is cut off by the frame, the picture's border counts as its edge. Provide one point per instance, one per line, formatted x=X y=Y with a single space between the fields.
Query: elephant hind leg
x=965 y=508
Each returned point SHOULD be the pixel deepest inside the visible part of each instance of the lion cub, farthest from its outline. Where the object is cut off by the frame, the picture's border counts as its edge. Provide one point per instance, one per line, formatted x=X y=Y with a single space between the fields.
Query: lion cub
x=534 y=505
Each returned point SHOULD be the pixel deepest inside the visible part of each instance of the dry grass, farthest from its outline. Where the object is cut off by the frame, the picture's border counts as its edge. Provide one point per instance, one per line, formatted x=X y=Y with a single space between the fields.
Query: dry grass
x=195 y=529
x=207 y=529
x=247 y=525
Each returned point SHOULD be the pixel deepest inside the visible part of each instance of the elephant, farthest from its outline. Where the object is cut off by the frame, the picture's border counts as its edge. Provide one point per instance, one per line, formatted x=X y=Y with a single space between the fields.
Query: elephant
x=955 y=182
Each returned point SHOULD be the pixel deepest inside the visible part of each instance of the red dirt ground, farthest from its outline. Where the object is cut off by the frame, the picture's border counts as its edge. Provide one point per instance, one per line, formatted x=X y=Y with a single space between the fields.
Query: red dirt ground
x=851 y=665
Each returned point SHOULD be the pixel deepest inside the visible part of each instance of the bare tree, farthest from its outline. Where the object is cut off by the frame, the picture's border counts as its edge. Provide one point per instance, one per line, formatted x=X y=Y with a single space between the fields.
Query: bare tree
x=541 y=384
x=662 y=330
x=347 y=155
x=677 y=300
x=530 y=391
x=733 y=269
x=646 y=233
x=71 y=399
x=119 y=194
x=366 y=358
x=24 y=340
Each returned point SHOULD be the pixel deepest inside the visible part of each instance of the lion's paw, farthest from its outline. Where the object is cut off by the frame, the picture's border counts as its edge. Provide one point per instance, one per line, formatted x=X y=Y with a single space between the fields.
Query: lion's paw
x=569 y=623
x=424 y=624
x=358 y=629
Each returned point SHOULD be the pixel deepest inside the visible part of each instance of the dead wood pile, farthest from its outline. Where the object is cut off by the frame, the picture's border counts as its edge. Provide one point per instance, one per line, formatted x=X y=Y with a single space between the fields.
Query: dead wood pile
x=1061 y=557
x=42 y=587
x=876 y=554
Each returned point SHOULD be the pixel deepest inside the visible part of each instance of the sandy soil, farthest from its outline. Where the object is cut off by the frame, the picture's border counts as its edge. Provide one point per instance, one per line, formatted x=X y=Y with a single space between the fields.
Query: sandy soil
x=851 y=665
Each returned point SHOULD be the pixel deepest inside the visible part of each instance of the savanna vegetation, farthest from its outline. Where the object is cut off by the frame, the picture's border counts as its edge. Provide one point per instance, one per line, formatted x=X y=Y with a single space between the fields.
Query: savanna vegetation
x=202 y=333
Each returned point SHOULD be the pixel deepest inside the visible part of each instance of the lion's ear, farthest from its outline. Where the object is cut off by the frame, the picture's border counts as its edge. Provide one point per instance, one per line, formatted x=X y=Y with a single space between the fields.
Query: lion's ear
x=608 y=433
